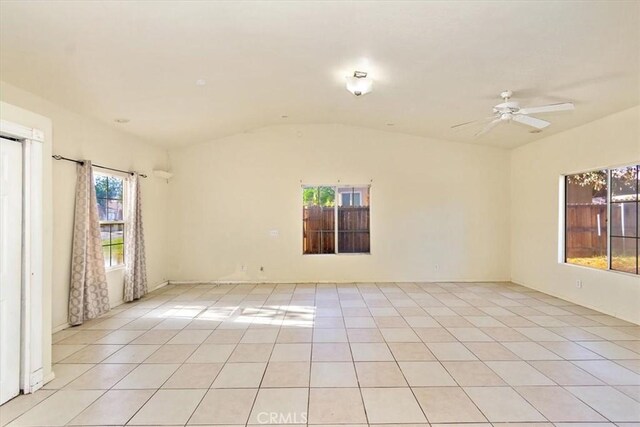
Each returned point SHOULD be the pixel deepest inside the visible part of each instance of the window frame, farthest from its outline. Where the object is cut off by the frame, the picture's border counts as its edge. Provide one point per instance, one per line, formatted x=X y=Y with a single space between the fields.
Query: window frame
x=336 y=230
x=123 y=222
x=562 y=240
x=610 y=204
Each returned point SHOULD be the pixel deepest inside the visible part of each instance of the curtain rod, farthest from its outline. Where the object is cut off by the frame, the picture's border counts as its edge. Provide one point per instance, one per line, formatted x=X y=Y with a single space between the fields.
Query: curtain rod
x=58 y=157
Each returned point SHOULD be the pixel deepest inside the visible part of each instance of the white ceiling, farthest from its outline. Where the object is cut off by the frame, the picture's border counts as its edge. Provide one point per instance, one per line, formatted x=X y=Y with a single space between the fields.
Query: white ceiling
x=434 y=64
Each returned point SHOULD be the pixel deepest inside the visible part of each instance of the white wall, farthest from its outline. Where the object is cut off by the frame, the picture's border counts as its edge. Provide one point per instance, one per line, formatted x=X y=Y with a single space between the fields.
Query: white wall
x=535 y=174
x=479 y=213
x=433 y=202
x=80 y=137
x=29 y=119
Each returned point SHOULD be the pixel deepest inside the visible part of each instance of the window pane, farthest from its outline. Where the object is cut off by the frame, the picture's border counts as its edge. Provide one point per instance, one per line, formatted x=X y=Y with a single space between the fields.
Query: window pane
x=309 y=196
x=101 y=183
x=114 y=210
x=115 y=188
x=117 y=233
x=624 y=184
x=586 y=219
x=318 y=196
x=318 y=219
x=109 y=194
x=117 y=255
x=102 y=209
x=353 y=196
x=105 y=234
x=624 y=252
x=624 y=219
x=106 y=252
x=353 y=221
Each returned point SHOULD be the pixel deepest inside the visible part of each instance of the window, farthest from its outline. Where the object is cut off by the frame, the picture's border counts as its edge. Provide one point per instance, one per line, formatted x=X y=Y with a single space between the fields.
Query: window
x=110 y=196
x=624 y=219
x=586 y=219
x=322 y=233
x=591 y=198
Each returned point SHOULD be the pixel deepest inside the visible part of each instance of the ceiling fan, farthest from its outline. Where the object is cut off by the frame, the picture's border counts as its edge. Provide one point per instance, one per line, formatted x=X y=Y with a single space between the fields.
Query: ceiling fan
x=509 y=111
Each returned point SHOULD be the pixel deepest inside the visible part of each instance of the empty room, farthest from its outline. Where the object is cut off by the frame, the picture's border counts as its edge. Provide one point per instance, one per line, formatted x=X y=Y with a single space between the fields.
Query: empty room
x=320 y=213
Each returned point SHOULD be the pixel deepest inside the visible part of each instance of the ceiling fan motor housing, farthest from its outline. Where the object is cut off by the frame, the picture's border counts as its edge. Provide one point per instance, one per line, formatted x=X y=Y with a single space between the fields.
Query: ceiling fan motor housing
x=507 y=107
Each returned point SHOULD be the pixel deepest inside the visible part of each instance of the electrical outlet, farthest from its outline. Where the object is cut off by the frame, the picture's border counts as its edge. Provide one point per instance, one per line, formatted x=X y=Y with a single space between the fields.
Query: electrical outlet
x=579 y=284
x=261 y=268
x=243 y=267
x=436 y=267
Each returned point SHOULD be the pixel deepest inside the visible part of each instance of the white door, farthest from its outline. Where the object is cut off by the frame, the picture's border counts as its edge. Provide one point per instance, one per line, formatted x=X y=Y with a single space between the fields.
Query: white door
x=10 y=266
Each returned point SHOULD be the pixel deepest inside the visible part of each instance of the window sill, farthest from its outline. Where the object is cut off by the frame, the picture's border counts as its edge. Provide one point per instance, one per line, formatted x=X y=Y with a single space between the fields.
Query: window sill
x=608 y=270
x=114 y=268
x=340 y=254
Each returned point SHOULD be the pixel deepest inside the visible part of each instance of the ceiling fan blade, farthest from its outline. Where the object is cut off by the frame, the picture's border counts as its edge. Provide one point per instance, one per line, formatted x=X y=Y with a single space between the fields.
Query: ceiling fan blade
x=565 y=106
x=488 y=127
x=459 y=125
x=531 y=121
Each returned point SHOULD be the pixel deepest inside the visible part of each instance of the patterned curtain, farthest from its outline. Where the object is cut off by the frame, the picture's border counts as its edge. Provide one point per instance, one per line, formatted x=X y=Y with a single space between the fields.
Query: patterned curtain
x=88 y=295
x=135 y=277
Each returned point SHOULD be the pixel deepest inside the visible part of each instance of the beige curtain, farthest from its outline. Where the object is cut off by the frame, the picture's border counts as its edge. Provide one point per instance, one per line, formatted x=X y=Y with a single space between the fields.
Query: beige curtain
x=135 y=277
x=89 y=295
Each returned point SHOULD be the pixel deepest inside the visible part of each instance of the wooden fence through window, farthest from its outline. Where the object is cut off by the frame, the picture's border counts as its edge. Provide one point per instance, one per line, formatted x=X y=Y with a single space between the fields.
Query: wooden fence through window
x=319 y=229
x=582 y=236
x=583 y=239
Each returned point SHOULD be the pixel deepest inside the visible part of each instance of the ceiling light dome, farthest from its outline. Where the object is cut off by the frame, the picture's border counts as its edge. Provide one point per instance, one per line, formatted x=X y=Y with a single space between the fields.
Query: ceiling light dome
x=359 y=84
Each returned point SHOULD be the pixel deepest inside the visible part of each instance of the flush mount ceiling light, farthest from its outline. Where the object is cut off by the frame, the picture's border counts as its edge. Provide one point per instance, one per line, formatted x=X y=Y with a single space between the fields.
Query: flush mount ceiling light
x=359 y=84
x=201 y=82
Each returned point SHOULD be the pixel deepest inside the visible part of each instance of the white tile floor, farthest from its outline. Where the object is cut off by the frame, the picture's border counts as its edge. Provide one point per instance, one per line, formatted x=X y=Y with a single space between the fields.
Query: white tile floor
x=405 y=353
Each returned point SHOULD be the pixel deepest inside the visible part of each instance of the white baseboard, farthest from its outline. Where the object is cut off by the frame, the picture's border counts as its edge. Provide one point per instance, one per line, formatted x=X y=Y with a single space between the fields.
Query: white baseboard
x=151 y=289
x=115 y=304
x=60 y=328
x=159 y=285
x=40 y=383
x=307 y=282
x=50 y=377
x=571 y=300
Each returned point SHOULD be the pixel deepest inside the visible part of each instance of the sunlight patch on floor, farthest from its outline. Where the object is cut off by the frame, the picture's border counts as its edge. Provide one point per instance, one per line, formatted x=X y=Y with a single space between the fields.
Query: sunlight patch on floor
x=282 y=315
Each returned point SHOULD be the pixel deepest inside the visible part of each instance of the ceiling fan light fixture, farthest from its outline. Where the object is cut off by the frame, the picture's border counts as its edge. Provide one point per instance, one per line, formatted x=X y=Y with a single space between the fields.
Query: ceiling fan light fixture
x=360 y=83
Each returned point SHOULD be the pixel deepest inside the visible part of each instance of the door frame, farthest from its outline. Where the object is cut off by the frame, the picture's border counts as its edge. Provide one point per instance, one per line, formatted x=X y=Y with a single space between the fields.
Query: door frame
x=31 y=336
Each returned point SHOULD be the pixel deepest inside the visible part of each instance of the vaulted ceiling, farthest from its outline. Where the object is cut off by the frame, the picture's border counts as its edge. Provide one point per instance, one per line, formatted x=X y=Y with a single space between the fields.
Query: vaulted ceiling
x=434 y=64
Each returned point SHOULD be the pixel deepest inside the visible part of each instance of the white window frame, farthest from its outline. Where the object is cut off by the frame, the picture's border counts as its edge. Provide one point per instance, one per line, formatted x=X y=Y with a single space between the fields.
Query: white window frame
x=124 y=216
x=562 y=229
x=337 y=194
